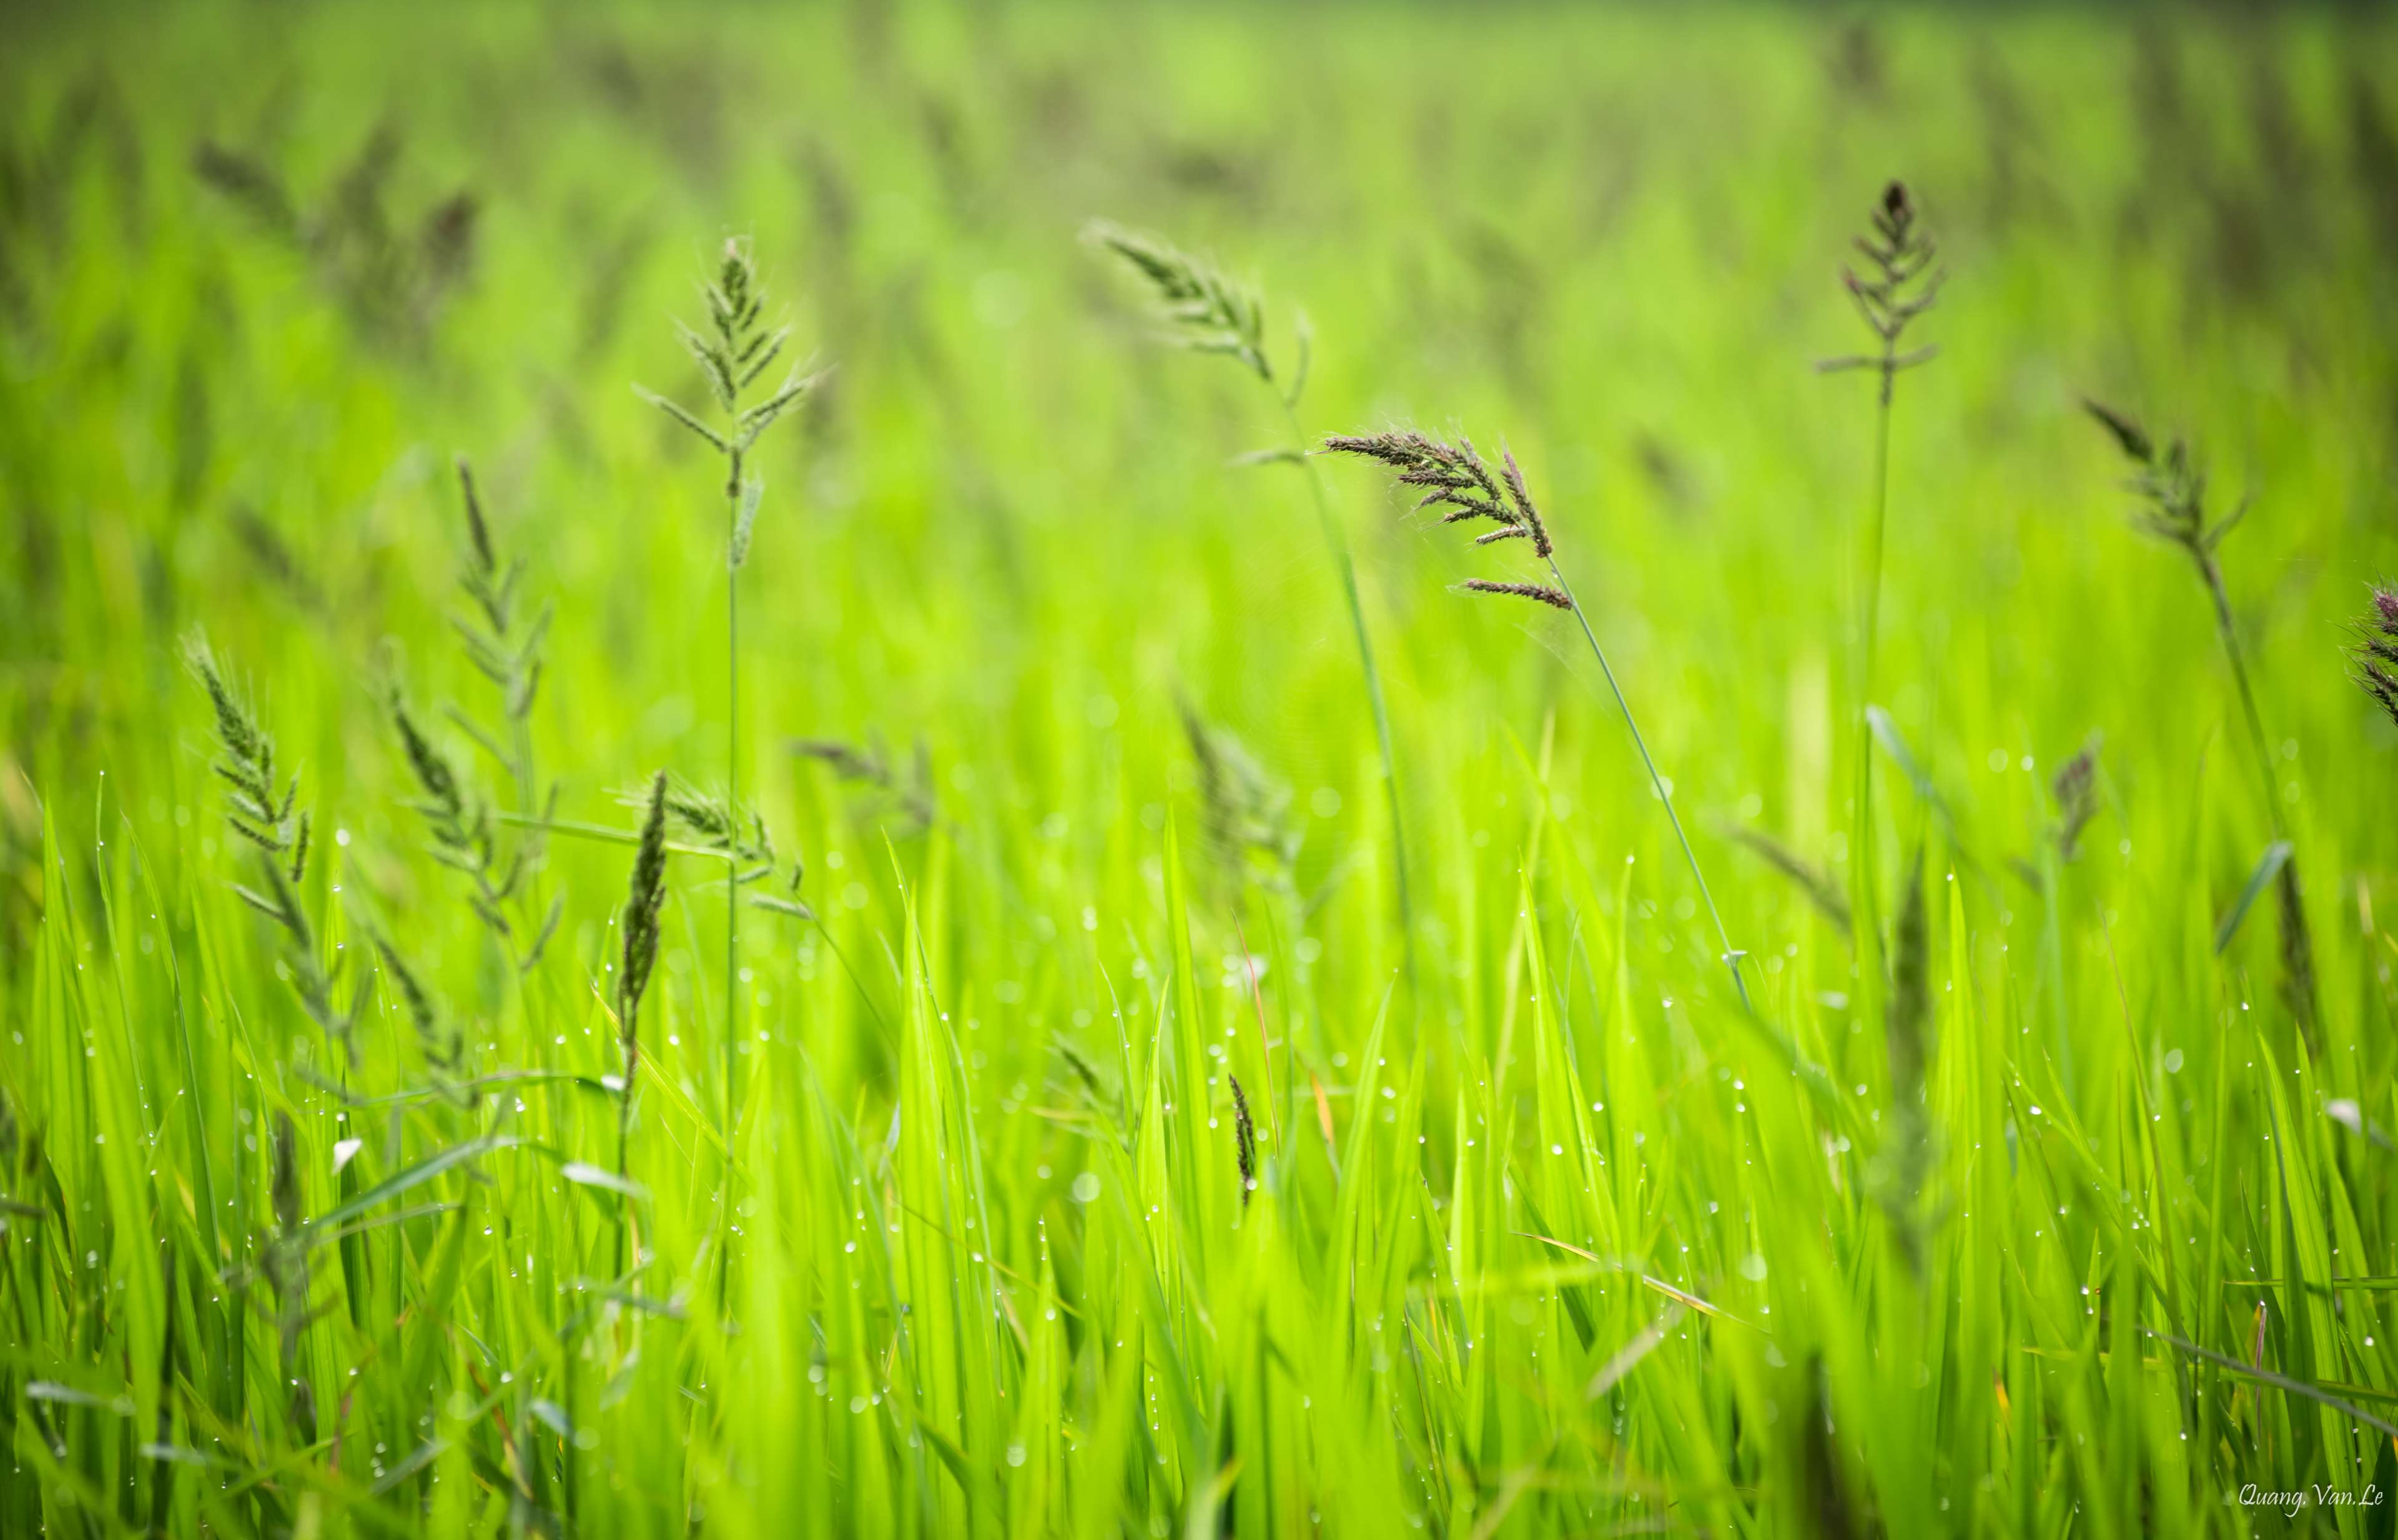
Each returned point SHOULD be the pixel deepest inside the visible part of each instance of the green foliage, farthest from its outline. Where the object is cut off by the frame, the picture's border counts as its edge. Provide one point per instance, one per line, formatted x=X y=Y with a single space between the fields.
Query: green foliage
x=430 y=1153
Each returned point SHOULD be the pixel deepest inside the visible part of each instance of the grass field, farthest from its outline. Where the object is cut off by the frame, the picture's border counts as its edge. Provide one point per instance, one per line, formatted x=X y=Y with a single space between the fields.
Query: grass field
x=1119 y=1108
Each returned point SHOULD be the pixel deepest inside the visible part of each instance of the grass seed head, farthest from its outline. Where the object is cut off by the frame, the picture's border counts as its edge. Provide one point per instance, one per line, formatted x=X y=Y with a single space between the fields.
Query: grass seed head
x=734 y=830
x=1895 y=284
x=1208 y=312
x=1904 y=1162
x=1462 y=486
x=445 y=1050
x=1244 y=1140
x=1538 y=592
x=412 y=995
x=2169 y=483
x=2374 y=653
x=479 y=533
x=733 y=352
x=2076 y=790
x=284 y=1186
x=2297 y=950
x=645 y=897
x=436 y=777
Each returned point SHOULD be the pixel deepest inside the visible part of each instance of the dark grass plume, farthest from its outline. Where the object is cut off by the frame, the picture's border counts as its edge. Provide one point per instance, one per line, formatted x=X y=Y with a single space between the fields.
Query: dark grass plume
x=638 y=933
x=1244 y=1140
x=1458 y=482
x=1894 y=286
x=1462 y=487
x=2169 y=484
x=1086 y=1076
x=2373 y=656
x=1905 y=1159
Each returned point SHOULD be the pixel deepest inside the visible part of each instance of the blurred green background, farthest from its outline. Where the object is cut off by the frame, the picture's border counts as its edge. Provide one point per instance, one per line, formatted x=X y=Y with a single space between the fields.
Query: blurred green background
x=265 y=270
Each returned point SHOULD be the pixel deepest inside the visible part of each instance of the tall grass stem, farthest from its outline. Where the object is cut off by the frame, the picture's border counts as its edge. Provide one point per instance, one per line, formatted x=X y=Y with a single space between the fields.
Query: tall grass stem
x=1346 y=565
x=1731 y=955
x=1865 y=895
x=733 y=795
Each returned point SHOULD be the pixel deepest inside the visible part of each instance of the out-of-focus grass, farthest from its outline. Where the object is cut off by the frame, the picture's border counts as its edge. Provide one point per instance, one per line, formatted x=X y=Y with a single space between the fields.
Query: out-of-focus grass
x=977 y=1260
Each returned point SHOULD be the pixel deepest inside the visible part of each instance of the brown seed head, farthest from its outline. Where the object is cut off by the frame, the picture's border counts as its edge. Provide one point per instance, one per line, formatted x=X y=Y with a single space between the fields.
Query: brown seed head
x=1895 y=283
x=1245 y=1140
x=1462 y=485
x=1540 y=592
x=2374 y=653
x=645 y=896
x=2076 y=788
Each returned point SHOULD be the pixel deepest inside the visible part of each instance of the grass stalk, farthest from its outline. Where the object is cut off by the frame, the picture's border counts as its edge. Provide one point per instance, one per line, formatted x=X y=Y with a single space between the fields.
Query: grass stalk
x=1864 y=891
x=2260 y=748
x=732 y=794
x=1345 y=566
x=1730 y=955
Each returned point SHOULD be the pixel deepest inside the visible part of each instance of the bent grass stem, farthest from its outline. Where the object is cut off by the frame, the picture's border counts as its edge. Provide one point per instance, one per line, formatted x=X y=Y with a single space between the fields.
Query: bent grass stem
x=1731 y=955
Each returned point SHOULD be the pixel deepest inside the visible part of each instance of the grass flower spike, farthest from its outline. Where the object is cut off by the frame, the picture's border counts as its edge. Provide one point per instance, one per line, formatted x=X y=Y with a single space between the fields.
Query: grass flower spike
x=1208 y=311
x=2375 y=652
x=1461 y=486
x=636 y=939
x=1899 y=284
